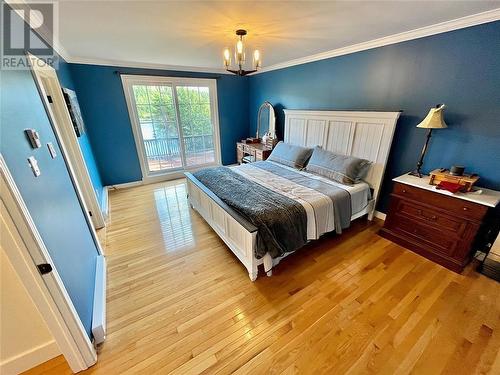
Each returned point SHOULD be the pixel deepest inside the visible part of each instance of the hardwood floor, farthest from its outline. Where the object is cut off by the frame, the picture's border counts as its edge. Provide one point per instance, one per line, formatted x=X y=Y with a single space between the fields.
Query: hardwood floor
x=180 y=302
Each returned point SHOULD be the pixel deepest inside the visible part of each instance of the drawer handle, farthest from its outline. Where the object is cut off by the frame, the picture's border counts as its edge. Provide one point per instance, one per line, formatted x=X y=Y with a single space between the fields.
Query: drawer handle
x=432 y=218
x=466 y=208
x=404 y=190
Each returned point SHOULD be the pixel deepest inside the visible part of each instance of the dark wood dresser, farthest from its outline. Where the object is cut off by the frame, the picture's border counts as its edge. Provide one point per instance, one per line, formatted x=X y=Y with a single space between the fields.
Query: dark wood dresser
x=436 y=224
x=259 y=151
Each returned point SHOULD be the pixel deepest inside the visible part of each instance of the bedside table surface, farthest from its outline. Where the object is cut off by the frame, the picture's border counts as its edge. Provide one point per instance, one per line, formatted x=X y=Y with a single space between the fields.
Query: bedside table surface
x=488 y=197
x=256 y=146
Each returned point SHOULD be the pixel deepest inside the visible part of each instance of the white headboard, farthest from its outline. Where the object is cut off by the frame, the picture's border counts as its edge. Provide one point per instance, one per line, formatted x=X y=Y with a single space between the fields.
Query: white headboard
x=363 y=134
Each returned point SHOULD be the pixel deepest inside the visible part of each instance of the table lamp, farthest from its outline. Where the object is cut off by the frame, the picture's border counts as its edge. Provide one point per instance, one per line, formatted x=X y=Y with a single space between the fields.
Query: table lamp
x=433 y=120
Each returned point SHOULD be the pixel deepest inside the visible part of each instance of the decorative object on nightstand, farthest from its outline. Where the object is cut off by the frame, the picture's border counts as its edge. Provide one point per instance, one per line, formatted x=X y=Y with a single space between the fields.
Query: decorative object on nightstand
x=464 y=182
x=433 y=120
x=435 y=223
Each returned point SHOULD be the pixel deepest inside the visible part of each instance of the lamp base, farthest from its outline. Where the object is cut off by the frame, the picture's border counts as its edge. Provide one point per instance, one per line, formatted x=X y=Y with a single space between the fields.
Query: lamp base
x=416 y=173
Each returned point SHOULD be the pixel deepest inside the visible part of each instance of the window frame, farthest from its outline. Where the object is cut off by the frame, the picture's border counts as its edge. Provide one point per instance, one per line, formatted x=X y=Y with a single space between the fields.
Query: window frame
x=129 y=80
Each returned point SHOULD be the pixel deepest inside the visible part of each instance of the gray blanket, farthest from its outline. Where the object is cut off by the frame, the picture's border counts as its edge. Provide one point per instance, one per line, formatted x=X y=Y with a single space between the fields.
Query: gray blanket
x=281 y=221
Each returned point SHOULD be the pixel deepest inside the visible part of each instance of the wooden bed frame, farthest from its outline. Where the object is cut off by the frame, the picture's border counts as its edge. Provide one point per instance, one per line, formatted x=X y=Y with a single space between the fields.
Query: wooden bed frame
x=363 y=134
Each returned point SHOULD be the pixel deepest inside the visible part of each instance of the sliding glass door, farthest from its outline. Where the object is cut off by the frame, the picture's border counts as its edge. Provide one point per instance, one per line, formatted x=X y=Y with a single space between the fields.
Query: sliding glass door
x=174 y=121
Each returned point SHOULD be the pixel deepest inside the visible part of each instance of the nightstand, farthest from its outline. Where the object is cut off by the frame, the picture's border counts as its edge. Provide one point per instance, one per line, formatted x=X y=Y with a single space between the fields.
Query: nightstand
x=435 y=223
x=258 y=151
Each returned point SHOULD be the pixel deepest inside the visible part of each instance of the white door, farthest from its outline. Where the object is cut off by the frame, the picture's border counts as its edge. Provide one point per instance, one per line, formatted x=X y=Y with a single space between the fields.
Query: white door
x=49 y=86
x=175 y=122
x=26 y=250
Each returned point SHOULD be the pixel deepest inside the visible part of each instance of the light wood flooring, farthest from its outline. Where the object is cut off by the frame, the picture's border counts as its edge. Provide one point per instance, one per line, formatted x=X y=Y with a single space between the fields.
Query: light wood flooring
x=180 y=302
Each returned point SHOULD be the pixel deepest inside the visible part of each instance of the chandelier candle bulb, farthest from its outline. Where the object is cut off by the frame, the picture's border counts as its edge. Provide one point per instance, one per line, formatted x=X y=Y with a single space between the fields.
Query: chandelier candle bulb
x=227 y=58
x=256 y=59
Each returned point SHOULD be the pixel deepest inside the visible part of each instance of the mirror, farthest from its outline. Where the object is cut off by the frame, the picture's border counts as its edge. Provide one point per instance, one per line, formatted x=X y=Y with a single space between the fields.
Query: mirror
x=266 y=120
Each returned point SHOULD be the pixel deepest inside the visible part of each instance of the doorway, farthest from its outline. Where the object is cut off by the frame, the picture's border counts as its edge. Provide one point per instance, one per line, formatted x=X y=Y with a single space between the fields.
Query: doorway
x=51 y=92
x=175 y=123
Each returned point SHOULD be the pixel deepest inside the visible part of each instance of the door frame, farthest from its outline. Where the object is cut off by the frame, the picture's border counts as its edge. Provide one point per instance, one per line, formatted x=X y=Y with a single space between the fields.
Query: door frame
x=127 y=81
x=25 y=249
x=46 y=79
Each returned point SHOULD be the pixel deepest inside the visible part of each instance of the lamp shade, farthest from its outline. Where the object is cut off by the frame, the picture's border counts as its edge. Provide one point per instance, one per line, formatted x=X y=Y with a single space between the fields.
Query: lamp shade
x=434 y=119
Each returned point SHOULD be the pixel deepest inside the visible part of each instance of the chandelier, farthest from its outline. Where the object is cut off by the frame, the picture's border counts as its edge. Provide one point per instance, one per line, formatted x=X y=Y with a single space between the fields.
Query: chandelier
x=239 y=57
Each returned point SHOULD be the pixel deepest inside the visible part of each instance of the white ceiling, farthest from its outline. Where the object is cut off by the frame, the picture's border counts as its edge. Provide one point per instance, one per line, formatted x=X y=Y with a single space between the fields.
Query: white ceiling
x=193 y=33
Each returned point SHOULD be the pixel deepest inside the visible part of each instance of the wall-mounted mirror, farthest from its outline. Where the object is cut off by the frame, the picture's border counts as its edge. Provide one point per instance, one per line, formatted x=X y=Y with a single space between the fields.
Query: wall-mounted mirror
x=266 y=120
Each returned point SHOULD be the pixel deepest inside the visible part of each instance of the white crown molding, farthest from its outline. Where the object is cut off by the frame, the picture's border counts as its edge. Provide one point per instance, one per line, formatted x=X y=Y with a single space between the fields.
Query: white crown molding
x=422 y=32
x=141 y=65
x=443 y=27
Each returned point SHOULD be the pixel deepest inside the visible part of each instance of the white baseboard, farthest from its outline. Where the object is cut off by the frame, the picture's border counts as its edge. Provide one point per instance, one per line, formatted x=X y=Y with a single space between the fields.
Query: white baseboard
x=105 y=202
x=125 y=185
x=30 y=358
x=380 y=215
x=99 y=313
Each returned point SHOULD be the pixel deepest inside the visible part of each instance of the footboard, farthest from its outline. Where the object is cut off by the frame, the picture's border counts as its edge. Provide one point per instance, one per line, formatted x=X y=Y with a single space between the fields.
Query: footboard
x=237 y=232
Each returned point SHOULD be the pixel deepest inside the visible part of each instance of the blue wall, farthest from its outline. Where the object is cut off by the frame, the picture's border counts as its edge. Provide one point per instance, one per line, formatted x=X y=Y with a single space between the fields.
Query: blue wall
x=459 y=68
x=105 y=113
x=51 y=198
x=64 y=75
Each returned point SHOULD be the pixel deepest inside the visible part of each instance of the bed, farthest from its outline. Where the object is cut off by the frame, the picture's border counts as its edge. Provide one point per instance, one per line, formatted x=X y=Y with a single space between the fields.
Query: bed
x=325 y=204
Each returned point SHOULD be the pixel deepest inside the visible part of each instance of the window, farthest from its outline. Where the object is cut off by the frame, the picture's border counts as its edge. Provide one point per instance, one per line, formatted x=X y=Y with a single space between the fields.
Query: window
x=174 y=121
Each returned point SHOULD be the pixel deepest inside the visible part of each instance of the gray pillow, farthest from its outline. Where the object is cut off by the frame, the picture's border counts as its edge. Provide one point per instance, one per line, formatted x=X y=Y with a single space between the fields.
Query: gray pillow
x=341 y=168
x=290 y=155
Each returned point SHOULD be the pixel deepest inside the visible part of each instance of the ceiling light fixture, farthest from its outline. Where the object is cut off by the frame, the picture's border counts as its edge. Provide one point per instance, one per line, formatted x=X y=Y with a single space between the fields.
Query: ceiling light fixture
x=239 y=57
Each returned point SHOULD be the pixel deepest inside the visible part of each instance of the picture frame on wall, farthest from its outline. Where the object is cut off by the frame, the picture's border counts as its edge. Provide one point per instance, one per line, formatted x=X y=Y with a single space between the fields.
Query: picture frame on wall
x=74 y=111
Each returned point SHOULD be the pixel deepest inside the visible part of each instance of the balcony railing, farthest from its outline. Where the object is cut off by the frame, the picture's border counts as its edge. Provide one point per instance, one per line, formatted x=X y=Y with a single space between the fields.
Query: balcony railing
x=170 y=146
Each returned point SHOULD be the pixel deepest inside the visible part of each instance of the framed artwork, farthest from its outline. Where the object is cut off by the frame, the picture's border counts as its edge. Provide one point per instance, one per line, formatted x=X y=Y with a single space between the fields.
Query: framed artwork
x=74 y=111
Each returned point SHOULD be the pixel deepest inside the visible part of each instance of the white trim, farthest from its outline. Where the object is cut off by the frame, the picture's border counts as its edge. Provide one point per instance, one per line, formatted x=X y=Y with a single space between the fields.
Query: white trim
x=143 y=65
x=380 y=215
x=169 y=176
x=99 y=310
x=422 y=32
x=126 y=185
x=30 y=358
x=79 y=176
x=105 y=202
x=129 y=80
x=393 y=116
x=48 y=84
x=25 y=248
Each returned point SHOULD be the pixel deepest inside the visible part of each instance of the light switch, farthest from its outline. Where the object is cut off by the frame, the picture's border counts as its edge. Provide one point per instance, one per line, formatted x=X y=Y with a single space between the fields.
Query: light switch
x=34 y=166
x=52 y=150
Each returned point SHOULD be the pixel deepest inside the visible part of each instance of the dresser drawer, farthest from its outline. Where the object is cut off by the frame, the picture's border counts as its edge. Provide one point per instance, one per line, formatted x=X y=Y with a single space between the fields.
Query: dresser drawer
x=424 y=214
x=456 y=206
x=433 y=239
